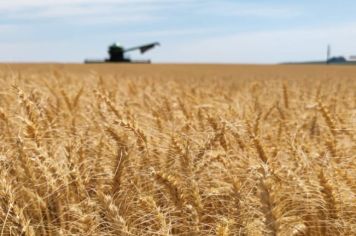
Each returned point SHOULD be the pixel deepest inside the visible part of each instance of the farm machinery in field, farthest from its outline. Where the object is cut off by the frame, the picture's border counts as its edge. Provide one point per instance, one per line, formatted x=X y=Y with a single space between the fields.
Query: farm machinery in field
x=117 y=54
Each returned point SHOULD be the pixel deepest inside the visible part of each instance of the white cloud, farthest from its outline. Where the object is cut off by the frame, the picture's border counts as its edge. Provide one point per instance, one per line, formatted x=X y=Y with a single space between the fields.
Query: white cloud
x=21 y=4
x=248 y=9
x=42 y=52
x=6 y=28
x=264 y=46
x=8 y=31
x=16 y=5
x=85 y=11
x=88 y=15
x=64 y=8
x=186 y=32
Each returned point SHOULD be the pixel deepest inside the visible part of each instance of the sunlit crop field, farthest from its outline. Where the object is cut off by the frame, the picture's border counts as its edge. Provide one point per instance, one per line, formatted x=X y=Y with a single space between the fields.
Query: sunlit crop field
x=177 y=150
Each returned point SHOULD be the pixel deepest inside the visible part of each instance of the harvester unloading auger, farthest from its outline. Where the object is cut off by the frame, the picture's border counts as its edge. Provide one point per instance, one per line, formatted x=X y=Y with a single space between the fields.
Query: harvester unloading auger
x=117 y=54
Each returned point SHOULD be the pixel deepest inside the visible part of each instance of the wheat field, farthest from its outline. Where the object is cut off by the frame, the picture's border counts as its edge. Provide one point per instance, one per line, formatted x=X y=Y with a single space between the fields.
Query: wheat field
x=177 y=150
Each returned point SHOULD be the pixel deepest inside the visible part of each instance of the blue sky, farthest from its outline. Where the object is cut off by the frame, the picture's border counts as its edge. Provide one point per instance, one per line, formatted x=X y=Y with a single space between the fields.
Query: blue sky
x=223 y=31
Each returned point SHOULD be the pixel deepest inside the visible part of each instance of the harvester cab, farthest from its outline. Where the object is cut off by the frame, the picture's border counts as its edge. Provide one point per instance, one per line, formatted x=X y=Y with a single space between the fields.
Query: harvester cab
x=117 y=53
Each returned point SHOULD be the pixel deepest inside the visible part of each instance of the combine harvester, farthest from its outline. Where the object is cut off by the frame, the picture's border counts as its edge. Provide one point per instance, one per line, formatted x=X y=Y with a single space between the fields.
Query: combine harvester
x=117 y=54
